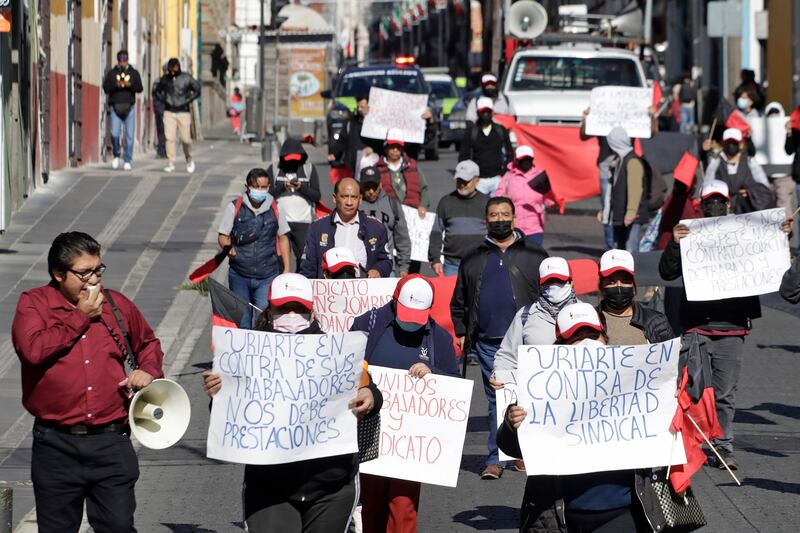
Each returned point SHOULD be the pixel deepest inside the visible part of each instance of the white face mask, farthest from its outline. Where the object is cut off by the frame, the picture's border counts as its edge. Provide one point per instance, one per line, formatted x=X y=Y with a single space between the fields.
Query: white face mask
x=555 y=293
x=291 y=322
x=590 y=342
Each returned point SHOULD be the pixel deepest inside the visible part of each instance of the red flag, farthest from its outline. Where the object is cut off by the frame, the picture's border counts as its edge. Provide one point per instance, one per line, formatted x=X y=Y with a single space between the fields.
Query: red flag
x=685 y=169
x=321 y=210
x=794 y=119
x=637 y=147
x=658 y=94
x=443 y=287
x=338 y=173
x=227 y=308
x=585 y=275
x=207 y=268
x=731 y=117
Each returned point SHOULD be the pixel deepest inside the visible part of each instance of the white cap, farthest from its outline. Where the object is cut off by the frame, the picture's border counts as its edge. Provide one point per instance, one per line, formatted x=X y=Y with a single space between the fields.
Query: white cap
x=554 y=268
x=488 y=78
x=575 y=316
x=395 y=136
x=614 y=260
x=467 y=170
x=732 y=134
x=523 y=151
x=712 y=187
x=290 y=287
x=414 y=297
x=484 y=102
x=338 y=258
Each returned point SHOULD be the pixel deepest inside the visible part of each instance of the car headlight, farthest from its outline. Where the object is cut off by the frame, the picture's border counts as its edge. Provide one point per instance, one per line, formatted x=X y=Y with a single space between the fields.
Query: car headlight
x=339 y=114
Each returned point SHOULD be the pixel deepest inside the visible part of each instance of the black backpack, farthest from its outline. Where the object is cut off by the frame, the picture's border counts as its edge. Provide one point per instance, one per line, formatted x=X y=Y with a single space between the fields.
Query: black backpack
x=655 y=186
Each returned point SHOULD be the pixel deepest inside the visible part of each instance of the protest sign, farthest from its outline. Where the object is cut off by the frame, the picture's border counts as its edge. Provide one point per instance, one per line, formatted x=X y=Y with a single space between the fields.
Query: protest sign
x=613 y=106
x=419 y=231
x=284 y=398
x=592 y=408
x=423 y=425
x=395 y=110
x=338 y=301
x=505 y=397
x=734 y=256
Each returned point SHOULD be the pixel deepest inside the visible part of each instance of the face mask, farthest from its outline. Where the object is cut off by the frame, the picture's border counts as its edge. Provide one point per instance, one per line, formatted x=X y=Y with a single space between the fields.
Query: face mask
x=555 y=293
x=491 y=92
x=618 y=297
x=500 y=229
x=257 y=196
x=590 y=342
x=525 y=164
x=408 y=326
x=291 y=322
x=715 y=209
x=742 y=103
x=731 y=149
x=485 y=119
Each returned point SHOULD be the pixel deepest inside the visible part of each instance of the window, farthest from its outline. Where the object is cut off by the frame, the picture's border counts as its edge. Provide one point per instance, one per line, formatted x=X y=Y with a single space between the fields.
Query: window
x=359 y=83
x=443 y=89
x=573 y=73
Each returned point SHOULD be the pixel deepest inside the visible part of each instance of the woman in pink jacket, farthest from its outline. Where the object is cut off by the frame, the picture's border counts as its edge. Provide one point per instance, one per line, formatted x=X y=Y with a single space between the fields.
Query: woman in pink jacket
x=518 y=185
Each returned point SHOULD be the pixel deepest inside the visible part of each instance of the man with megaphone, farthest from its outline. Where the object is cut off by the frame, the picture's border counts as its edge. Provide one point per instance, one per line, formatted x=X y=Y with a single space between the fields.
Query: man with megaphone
x=74 y=340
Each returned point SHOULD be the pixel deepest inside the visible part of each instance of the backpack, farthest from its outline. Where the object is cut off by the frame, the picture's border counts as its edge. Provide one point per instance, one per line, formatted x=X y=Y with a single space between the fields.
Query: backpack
x=655 y=186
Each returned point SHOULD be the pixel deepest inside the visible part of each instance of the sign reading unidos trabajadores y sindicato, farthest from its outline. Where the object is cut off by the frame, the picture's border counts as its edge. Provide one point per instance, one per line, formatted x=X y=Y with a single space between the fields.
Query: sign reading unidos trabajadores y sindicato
x=592 y=408
x=734 y=256
x=395 y=110
x=627 y=107
x=419 y=232
x=284 y=398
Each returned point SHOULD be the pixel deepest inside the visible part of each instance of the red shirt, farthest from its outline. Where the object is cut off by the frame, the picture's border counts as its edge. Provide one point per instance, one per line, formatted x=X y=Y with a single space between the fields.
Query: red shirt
x=71 y=365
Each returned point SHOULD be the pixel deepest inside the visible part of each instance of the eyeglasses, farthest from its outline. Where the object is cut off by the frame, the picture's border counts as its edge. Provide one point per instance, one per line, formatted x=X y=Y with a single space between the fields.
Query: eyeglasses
x=86 y=275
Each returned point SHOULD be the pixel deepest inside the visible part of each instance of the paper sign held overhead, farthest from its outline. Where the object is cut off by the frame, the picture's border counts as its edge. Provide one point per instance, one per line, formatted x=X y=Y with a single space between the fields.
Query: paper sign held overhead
x=613 y=106
x=395 y=110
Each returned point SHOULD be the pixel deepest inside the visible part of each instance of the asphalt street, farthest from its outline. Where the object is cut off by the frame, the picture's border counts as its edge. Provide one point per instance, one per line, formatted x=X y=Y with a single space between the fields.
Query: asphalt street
x=157 y=227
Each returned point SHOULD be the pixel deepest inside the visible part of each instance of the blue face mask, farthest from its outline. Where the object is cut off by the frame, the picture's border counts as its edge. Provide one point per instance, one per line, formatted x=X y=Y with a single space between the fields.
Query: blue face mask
x=408 y=326
x=742 y=103
x=257 y=195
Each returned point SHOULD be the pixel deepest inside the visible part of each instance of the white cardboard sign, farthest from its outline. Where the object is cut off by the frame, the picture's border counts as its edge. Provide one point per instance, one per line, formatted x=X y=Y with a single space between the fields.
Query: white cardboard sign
x=284 y=398
x=596 y=408
x=395 y=110
x=505 y=397
x=419 y=231
x=613 y=106
x=337 y=302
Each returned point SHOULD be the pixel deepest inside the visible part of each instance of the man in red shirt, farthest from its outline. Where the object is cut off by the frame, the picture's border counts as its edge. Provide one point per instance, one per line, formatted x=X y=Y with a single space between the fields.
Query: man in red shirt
x=74 y=382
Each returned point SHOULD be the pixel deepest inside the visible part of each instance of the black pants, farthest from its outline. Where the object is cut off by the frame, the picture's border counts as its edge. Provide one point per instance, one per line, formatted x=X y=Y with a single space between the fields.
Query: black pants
x=161 y=146
x=623 y=520
x=297 y=238
x=266 y=512
x=68 y=470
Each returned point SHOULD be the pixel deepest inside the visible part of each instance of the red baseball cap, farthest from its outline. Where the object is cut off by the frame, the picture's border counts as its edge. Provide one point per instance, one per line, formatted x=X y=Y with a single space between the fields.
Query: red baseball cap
x=290 y=287
x=338 y=258
x=615 y=260
x=576 y=316
x=554 y=268
x=414 y=299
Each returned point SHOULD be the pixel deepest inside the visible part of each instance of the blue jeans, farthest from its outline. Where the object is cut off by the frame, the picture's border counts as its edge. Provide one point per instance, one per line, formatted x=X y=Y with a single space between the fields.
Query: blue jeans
x=536 y=238
x=130 y=133
x=450 y=267
x=627 y=237
x=251 y=290
x=486 y=348
x=687 y=118
x=488 y=185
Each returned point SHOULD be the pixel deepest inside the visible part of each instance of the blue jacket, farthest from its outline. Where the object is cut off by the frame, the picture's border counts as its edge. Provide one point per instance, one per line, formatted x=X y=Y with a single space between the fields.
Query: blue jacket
x=322 y=236
x=438 y=340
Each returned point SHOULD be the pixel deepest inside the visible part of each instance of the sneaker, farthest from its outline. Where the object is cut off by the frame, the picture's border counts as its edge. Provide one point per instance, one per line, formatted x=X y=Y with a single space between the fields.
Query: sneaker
x=190 y=167
x=729 y=459
x=169 y=168
x=115 y=163
x=127 y=165
x=492 y=472
x=519 y=465
x=472 y=360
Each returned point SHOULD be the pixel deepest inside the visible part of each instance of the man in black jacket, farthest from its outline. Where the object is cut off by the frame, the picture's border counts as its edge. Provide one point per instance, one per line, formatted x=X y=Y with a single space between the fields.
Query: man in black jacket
x=158 y=115
x=178 y=90
x=121 y=84
x=494 y=281
x=488 y=144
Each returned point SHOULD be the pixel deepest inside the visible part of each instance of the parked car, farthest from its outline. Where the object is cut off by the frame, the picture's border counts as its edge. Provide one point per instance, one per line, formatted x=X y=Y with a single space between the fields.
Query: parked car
x=447 y=97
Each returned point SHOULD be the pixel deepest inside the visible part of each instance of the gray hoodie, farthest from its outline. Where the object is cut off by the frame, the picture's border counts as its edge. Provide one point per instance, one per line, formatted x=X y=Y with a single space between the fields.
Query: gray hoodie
x=388 y=211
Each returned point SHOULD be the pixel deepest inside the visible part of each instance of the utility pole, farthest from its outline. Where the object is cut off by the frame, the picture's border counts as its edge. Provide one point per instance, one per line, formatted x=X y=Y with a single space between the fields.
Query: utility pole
x=261 y=50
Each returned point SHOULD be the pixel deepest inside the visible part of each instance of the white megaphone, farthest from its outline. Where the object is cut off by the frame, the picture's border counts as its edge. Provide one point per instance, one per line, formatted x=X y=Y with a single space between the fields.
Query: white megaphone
x=527 y=19
x=159 y=414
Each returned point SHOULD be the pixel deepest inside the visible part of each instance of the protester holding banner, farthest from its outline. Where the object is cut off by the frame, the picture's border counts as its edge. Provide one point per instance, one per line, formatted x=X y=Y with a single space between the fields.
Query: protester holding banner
x=296 y=188
x=609 y=501
x=494 y=281
x=460 y=216
x=347 y=226
x=502 y=105
x=488 y=144
x=523 y=182
x=379 y=205
x=311 y=496
x=254 y=229
x=402 y=335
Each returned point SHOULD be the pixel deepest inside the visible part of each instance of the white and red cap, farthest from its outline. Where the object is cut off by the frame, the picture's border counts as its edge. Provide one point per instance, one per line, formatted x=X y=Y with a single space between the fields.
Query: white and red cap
x=712 y=187
x=523 y=151
x=488 y=78
x=616 y=260
x=554 y=268
x=732 y=134
x=414 y=298
x=484 y=102
x=338 y=258
x=395 y=136
x=290 y=287
x=575 y=316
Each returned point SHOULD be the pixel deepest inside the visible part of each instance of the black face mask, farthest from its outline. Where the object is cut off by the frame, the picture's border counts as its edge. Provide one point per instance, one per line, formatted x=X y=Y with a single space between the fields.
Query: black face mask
x=500 y=229
x=731 y=149
x=715 y=209
x=618 y=297
x=345 y=273
x=491 y=92
x=485 y=119
x=525 y=164
x=290 y=167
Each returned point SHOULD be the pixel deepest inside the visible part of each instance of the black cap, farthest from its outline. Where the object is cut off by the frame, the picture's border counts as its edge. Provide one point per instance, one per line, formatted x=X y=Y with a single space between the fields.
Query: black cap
x=369 y=175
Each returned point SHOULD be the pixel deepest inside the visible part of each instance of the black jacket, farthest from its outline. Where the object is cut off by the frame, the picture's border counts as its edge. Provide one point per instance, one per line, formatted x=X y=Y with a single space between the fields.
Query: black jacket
x=790 y=284
x=309 y=184
x=792 y=146
x=122 y=99
x=654 y=324
x=491 y=152
x=715 y=315
x=523 y=258
x=178 y=92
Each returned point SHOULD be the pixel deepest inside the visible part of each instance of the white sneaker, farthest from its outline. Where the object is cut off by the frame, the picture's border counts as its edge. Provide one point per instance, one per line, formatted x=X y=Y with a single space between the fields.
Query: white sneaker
x=115 y=163
x=169 y=168
x=190 y=166
x=126 y=166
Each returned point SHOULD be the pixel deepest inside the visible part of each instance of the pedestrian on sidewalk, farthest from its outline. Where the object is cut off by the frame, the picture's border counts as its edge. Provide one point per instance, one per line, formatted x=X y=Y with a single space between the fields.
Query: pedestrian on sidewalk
x=70 y=338
x=235 y=110
x=347 y=226
x=178 y=90
x=488 y=144
x=379 y=205
x=402 y=335
x=315 y=495
x=256 y=233
x=520 y=184
x=121 y=84
x=159 y=106
x=460 y=221
x=494 y=281
x=502 y=105
x=295 y=185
